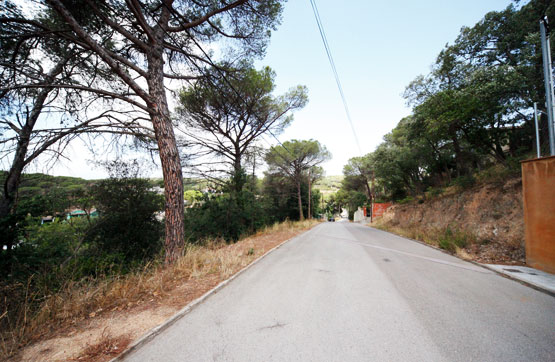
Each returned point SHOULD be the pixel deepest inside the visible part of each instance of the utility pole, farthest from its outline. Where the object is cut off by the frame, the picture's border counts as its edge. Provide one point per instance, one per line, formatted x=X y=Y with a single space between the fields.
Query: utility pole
x=548 y=80
x=537 y=130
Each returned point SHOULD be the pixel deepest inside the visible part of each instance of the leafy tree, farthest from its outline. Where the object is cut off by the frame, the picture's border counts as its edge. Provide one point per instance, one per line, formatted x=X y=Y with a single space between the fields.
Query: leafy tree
x=479 y=95
x=192 y=196
x=314 y=174
x=358 y=175
x=225 y=114
x=332 y=206
x=293 y=158
x=153 y=43
x=472 y=110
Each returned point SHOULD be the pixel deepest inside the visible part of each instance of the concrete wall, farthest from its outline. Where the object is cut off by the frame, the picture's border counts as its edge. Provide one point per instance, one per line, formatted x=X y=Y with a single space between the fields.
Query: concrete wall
x=538 y=189
x=359 y=215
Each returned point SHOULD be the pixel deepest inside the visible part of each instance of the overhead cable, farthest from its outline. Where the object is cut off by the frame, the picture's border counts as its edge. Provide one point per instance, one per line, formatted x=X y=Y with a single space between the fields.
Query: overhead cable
x=333 y=68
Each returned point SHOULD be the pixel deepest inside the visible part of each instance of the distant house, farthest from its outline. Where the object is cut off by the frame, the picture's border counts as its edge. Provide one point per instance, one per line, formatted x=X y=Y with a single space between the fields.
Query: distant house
x=77 y=213
x=47 y=219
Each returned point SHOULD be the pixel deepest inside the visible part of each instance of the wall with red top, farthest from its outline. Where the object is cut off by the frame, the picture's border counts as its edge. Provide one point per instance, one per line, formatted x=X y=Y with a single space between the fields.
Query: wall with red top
x=379 y=208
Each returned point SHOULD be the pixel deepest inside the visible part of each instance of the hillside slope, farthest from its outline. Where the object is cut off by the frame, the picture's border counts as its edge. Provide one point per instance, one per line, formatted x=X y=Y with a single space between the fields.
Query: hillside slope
x=486 y=221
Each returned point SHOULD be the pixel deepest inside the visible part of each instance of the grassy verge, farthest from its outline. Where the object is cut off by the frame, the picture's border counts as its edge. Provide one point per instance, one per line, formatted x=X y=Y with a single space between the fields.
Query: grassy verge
x=451 y=239
x=78 y=302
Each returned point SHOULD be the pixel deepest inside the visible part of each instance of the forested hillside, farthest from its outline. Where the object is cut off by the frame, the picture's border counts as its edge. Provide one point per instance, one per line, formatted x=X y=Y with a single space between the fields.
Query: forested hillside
x=33 y=184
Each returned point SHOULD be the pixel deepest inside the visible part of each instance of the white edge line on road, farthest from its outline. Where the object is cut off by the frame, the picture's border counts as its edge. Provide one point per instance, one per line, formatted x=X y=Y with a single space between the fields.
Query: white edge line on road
x=439 y=261
x=148 y=336
x=485 y=266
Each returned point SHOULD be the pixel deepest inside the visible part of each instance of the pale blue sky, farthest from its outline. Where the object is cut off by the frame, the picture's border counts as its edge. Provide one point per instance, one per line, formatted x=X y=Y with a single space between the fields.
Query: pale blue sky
x=378 y=48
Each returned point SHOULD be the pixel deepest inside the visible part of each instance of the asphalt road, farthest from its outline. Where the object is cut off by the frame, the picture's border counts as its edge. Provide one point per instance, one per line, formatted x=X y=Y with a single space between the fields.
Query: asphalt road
x=346 y=292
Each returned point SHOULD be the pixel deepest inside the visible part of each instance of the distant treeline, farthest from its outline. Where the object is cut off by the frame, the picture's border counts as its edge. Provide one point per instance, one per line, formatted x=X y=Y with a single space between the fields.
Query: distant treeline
x=33 y=184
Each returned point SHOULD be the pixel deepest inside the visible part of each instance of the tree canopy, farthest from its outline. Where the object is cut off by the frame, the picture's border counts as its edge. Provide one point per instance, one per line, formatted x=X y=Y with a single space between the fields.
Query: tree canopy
x=224 y=115
x=474 y=109
x=148 y=45
x=293 y=158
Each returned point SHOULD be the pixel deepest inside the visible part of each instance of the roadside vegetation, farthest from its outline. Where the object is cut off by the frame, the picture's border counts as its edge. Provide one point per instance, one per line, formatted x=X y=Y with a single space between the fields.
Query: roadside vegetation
x=471 y=124
x=99 y=72
x=472 y=115
x=450 y=238
x=74 y=302
x=68 y=270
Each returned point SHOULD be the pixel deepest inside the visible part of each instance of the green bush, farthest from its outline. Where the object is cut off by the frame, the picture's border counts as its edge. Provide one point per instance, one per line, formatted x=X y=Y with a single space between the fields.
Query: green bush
x=41 y=249
x=451 y=238
x=434 y=191
x=127 y=225
x=229 y=216
x=406 y=200
x=499 y=173
x=464 y=182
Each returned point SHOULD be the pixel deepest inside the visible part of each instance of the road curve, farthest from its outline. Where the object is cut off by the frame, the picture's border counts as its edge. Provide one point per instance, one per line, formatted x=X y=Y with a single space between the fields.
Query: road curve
x=347 y=292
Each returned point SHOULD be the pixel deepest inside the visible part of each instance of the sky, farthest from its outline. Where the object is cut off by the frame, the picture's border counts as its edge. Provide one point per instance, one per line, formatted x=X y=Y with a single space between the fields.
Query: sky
x=378 y=47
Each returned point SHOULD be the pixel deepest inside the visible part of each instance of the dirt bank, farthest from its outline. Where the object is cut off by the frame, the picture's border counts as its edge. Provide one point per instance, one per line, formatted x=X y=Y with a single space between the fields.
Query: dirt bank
x=487 y=217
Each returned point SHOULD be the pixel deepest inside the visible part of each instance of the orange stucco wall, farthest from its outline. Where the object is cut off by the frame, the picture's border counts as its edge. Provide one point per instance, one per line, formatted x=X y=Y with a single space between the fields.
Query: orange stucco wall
x=538 y=188
x=379 y=208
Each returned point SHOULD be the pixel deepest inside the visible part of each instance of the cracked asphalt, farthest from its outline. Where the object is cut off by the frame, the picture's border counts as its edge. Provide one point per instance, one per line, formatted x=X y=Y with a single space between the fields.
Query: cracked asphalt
x=347 y=292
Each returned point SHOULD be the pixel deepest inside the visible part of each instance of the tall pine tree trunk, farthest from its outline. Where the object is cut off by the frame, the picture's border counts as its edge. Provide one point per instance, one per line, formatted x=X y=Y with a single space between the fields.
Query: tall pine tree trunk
x=301 y=216
x=169 y=154
x=367 y=188
x=238 y=180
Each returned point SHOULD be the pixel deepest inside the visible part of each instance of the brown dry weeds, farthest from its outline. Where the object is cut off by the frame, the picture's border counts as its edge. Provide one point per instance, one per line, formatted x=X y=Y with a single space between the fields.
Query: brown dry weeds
x=490 y=214
x=98 y=320
x=490 y=252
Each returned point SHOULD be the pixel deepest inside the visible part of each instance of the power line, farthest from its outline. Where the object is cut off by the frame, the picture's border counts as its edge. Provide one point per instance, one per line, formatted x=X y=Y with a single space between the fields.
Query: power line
x=333 y=68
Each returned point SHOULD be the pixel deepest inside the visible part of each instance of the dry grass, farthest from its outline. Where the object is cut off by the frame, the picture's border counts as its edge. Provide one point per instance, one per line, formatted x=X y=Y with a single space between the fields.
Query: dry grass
x=199 y=269
x=451 y=239
x=460 y=242
x=415 y=232
x=106 y=347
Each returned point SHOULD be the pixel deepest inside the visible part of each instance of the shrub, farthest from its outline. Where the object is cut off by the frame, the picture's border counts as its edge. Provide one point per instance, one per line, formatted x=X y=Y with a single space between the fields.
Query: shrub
x=434 y=191
x=127 y=226
x=464 y=182
x=451 y=239
x=228 y=216
x=406 y=200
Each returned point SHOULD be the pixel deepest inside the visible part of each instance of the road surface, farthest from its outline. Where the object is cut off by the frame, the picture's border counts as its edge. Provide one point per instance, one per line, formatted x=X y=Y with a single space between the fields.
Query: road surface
x=347 y=292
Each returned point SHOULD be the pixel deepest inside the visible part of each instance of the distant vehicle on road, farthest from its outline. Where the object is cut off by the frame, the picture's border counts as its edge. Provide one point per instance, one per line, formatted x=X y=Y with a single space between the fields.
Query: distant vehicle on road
x=331 y=218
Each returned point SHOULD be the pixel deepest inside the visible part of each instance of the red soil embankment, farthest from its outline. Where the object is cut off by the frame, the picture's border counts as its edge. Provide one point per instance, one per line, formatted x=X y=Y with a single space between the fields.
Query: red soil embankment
x=491 y=213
